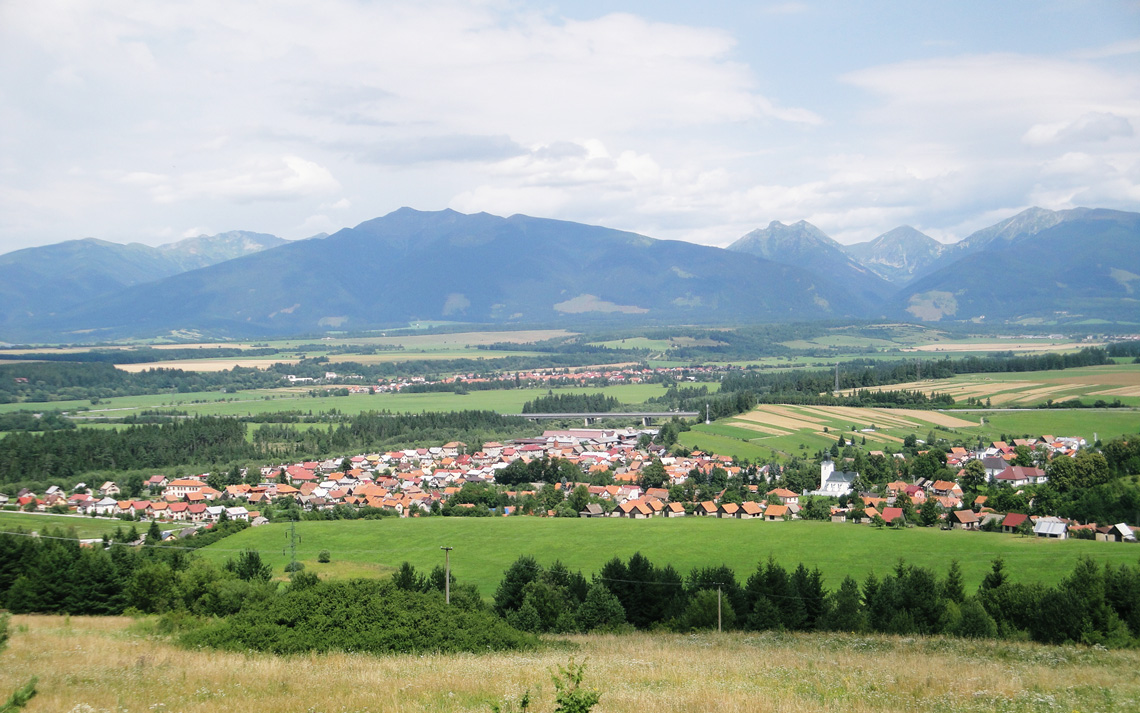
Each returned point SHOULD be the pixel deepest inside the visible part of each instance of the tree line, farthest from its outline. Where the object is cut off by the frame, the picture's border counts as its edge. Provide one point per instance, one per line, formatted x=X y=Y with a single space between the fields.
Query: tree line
x=1093 y=605
x=741 y=390
x=60 y=456
x=572 y=403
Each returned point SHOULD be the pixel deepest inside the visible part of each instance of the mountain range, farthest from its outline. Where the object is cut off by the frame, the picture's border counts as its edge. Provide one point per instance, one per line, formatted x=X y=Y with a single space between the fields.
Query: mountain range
x=1037 y=266
x=36 y=284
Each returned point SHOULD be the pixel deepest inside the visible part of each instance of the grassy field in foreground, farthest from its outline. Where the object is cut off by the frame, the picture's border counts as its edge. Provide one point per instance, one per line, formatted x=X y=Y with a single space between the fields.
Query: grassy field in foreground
x=99 y=664
x=485 y=547
x=85 y=527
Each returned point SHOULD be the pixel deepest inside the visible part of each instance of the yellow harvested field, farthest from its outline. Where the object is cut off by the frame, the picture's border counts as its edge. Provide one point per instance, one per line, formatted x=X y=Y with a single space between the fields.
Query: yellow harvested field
x=1121 y=391
x=757 y=427
x=935 y=417
x=91 y=665
x=1046 y=392
x=778 y=421
x=1035 y=346
x=863 y=417
x=205 y=364
x=789 y=412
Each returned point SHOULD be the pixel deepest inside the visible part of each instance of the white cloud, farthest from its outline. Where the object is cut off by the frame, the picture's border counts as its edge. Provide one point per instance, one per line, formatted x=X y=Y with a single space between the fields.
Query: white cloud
x=294 y=117
x=263 y=179
x=1093 y=126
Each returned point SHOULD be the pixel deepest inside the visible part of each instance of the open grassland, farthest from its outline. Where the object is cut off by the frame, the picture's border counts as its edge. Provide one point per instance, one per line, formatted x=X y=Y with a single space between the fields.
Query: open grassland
x=485 y=547
x=214 y=403
x=104 y=665
x=1012 y=345
x=1021 y=389
x=1089 y=423
x=85 y=527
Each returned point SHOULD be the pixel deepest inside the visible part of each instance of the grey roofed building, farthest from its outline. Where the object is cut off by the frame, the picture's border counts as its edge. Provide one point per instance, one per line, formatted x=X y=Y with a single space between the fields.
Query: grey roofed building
x=1051 y=527
x=994 y=465
x=593 y=510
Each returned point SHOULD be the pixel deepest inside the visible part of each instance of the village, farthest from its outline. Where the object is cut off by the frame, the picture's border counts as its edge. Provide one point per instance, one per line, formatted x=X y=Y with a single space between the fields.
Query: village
x=614 y=465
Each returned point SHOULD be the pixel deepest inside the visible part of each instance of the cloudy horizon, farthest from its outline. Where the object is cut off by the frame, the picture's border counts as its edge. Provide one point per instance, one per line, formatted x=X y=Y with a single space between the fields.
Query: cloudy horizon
x=139 y=122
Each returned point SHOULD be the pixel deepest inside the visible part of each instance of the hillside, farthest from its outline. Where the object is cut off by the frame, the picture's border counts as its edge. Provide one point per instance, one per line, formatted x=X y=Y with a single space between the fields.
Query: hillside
x=1085 y=265
x=37 y=283
x=413 y=265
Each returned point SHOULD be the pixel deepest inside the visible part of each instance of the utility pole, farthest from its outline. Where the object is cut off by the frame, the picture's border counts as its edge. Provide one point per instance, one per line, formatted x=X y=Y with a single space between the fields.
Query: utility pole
x=447 y=573
x=718 y=630
x=837 y=377
x=707 y=415
x=293 y=540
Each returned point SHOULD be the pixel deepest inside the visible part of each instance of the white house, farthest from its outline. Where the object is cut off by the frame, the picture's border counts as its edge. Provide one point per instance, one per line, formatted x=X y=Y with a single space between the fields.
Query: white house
x=1016 y=476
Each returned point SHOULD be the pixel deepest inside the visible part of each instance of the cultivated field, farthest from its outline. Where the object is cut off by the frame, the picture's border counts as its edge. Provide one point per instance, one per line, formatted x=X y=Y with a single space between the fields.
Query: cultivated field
x=485 y=547
x=771 y=430
x=100 y=665
x=1021 y=389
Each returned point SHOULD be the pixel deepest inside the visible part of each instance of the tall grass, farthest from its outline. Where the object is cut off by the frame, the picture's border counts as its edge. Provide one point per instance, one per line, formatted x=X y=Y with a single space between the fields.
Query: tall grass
x=103 y=664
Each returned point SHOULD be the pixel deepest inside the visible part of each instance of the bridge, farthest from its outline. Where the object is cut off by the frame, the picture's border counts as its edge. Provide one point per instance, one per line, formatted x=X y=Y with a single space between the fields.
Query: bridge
x=588 y=418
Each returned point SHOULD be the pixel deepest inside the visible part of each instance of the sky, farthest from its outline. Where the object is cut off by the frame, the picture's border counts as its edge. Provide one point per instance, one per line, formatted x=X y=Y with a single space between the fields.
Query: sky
x=153 y=121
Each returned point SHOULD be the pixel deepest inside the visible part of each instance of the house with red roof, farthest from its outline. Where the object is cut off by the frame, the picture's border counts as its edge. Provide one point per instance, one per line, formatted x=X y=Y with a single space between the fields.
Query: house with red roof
x=775 y=513
x=1012 y=521
x=1017 y=476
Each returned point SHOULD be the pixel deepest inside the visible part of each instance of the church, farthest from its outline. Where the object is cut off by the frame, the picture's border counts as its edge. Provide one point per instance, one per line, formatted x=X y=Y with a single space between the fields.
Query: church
x=833 y=482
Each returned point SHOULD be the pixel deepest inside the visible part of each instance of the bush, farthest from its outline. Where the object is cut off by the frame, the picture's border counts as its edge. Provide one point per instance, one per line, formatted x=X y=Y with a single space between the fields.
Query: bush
x=324 y=557
x=359 y=616
x=294 y=567
x=5 y=620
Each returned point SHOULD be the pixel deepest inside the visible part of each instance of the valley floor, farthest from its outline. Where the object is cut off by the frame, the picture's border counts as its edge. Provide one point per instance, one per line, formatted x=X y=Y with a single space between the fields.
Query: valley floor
x=92 y=665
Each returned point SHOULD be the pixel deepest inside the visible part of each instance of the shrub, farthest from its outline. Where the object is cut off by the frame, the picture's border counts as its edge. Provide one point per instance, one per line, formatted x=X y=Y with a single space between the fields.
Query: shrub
x=359 y=616
x=324 y=557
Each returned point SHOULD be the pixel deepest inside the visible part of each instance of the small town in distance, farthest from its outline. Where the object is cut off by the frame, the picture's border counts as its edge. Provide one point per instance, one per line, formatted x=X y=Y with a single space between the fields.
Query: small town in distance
x=612 y=473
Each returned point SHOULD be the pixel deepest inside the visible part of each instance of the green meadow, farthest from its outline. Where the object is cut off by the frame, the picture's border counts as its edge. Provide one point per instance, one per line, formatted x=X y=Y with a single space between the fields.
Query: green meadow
x=245 y=403
x=85 y=527
x=485 y=547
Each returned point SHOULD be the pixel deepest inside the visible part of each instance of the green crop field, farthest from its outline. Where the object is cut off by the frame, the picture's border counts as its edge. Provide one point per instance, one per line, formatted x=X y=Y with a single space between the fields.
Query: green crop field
x=724 y=446
x=85 y=527
x=244 y=403
x=485 y=547
x=1105 y=424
